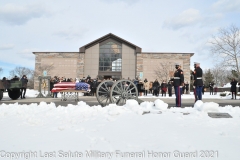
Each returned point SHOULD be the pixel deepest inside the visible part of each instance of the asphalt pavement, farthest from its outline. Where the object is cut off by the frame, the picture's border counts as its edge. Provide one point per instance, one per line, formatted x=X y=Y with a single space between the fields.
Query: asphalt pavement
x=91 y=101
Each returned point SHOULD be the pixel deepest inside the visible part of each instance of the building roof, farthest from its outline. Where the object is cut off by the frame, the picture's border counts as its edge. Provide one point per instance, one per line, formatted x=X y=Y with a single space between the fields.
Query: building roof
x=191 y=54
x=54 y=52
x=108 y=36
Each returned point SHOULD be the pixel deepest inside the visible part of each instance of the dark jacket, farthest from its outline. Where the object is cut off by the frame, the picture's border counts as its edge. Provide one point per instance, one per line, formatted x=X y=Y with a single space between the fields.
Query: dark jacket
x=198 y=76
x=178 y=78
x=169 y=85
x=233 y=86
x=94 y=84
x=24 y=82
x=211 y=86
x=140 y=87
x=156 y=85
x=52 y=82
x=187 y=86
x=164 y=86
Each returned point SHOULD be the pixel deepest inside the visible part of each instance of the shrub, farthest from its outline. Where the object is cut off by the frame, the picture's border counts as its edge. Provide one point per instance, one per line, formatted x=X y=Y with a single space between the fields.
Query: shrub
x=223 y=94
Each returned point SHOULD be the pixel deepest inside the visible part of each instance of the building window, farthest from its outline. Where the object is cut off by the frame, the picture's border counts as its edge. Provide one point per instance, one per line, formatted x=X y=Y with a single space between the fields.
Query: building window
x=110 y=57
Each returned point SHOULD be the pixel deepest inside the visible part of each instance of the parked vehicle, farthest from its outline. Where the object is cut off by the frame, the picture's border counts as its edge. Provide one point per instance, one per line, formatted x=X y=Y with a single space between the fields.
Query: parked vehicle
x=13 y=87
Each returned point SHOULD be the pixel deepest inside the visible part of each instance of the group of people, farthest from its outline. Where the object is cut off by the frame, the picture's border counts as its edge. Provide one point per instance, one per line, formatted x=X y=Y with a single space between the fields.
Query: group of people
x=155 y=88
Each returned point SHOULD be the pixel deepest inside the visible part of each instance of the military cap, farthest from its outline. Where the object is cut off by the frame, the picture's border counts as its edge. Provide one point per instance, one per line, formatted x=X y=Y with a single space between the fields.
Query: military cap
x=197 y=63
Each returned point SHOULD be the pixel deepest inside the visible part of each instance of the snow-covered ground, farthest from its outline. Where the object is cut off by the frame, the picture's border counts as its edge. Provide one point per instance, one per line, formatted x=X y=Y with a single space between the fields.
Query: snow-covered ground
x=33 y=93
x=80 y=131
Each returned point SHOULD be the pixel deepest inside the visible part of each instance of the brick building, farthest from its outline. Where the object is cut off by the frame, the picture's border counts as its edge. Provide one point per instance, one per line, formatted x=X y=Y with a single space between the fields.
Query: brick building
x=110 y=56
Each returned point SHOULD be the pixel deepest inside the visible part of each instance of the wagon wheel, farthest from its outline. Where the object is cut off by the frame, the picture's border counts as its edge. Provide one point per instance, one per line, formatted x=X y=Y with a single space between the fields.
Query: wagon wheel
x=123 y=90
x=103 y=92
x=14 y=93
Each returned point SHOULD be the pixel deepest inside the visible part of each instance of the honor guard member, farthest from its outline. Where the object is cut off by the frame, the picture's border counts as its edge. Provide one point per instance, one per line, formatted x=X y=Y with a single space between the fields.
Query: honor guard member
x=198 y=80
x=194 y=82
x=178 y=82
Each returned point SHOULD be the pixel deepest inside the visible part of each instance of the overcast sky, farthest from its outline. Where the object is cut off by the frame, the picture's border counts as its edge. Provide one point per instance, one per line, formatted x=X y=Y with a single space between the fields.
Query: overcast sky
x=28 y=26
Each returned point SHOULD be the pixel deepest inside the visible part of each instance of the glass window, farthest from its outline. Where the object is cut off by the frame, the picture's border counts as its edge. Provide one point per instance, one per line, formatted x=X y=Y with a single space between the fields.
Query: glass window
x=110 y=58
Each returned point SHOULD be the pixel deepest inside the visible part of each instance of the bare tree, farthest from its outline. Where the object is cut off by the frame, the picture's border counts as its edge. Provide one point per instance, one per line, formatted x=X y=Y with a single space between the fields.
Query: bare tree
x=220 y=74
x=42 y=68
x=164 y=71
x=226 y=45
x=20 y=71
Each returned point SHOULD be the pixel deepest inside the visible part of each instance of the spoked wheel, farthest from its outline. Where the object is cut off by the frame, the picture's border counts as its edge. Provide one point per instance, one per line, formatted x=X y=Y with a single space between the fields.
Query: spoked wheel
x=103 y=92
x=123 y=90
x=14 y=93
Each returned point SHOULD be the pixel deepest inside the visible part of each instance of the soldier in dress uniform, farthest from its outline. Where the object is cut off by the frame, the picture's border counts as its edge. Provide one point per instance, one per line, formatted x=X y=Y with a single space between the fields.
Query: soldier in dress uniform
x=194 y=82
x=198 y=80
x=178 y=82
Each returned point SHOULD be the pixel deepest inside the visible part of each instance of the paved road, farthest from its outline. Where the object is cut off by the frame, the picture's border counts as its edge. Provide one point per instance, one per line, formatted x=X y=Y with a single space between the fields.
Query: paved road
x=91 y=101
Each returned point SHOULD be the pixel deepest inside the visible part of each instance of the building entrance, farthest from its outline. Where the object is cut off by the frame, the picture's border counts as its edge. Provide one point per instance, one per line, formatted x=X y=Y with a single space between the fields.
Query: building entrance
x=114 y=77
x=107 y=77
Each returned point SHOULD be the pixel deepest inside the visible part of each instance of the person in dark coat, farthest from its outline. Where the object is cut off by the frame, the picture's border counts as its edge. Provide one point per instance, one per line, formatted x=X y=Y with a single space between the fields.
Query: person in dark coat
x=211 y=88
x=140 y=88
x=24 y=81
x=52 y=82
x=5 y=84
x=94 y=87
x=234 y=88
x=238 y=86
x=183 y=89
x=169 y=85
x=155 y=88
x=164 y=88
x=15 y=78
x=203 y=89
x=187 y=87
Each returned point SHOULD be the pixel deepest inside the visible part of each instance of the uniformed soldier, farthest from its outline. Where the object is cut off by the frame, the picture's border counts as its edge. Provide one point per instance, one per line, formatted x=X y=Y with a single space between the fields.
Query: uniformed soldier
x=194 y=82
x=178 y=82
x=198 y=80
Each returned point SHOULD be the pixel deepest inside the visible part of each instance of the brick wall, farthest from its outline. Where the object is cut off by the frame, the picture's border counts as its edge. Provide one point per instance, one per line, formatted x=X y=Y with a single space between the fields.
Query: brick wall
x=68 y=64
x=148 y=62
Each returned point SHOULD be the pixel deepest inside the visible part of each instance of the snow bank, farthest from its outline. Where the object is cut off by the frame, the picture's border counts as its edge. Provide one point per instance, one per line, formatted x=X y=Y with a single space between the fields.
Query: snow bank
x=47 y=128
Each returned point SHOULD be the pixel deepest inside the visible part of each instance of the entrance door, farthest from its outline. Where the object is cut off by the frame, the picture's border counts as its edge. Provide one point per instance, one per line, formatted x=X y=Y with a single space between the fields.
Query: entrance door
x=107 y=77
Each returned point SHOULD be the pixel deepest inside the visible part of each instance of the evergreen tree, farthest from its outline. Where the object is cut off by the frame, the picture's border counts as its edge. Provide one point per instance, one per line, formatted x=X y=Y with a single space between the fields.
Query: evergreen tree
x=235 y=75
x=208 y=77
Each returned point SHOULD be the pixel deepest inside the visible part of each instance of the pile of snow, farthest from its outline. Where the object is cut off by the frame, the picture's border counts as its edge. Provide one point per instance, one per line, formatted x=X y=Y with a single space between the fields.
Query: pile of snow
x=32 y=93
x=206 y=107
x=160 y=104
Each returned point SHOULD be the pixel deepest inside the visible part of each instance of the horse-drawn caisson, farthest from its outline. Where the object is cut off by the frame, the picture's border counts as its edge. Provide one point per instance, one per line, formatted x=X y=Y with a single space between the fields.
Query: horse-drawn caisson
x=13 y=87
